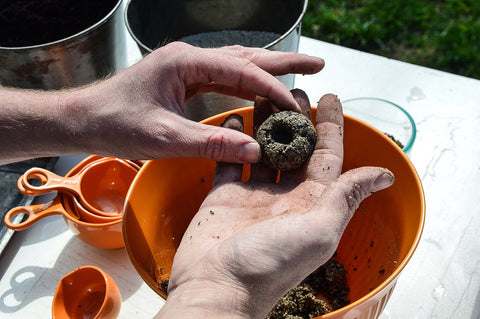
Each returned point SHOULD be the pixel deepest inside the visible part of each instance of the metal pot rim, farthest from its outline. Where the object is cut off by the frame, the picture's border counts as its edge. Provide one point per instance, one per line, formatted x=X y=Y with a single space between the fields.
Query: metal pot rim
x=76 y=35
x=283 y=36
x=293 y=27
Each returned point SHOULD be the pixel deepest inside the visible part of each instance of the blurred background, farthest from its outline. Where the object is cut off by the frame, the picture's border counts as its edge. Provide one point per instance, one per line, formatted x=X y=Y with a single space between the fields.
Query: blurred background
x=443 y=35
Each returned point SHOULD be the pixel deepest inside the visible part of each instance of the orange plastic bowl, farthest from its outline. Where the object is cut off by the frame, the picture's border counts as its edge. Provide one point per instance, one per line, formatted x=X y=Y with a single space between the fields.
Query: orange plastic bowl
x=102 y=235
x=377 y=244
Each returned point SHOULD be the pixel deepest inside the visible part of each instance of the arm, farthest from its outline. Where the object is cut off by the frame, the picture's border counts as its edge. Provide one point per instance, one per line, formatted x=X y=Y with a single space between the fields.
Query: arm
x=33 y=124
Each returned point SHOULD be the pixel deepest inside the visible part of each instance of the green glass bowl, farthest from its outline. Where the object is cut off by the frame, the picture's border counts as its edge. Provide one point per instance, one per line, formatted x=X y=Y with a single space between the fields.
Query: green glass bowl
x=385 y=116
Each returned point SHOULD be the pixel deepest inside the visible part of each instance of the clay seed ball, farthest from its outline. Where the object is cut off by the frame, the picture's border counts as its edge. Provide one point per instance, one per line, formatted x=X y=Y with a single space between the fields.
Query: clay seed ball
x=287 y=140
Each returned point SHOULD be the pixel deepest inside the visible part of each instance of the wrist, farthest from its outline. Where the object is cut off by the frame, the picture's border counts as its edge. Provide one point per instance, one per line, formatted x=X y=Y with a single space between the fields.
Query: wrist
x=32 y=124
x=86 y=119
x=204 y=300
x=77 y=106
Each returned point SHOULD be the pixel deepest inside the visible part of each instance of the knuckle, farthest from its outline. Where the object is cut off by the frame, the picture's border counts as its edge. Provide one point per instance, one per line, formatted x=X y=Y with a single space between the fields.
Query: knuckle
x=237 y=47
x=177 y=45
x=355 y=196
x=215 y=146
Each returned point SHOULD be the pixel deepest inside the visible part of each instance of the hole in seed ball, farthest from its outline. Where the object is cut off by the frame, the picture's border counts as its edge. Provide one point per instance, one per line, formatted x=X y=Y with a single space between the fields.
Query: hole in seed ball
x=282 y=134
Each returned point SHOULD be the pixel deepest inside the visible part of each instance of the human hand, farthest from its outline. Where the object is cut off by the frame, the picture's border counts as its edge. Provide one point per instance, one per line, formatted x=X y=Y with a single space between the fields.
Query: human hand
x=138 y=113
x=251 y=242
x=143 y=106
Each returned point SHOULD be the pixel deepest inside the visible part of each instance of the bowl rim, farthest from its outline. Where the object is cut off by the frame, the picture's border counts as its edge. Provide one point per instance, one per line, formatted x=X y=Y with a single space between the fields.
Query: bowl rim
x=410 y=142
x=390 y=280
x=393 y=277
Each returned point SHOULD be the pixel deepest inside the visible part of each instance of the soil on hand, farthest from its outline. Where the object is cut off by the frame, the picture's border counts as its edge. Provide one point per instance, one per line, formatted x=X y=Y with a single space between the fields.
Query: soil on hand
x=34 y=22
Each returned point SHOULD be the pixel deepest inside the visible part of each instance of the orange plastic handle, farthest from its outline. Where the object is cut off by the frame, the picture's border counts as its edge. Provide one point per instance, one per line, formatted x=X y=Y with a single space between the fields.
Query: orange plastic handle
x=34 y=213
x=50 y=182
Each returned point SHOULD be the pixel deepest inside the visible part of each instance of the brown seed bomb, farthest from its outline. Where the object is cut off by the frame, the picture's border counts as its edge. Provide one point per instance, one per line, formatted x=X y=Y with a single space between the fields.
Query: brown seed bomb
x=287 y=140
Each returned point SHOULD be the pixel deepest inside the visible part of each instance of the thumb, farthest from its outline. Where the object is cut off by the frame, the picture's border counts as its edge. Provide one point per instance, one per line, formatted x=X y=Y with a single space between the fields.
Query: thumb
x=346 y=193
x=222 y=144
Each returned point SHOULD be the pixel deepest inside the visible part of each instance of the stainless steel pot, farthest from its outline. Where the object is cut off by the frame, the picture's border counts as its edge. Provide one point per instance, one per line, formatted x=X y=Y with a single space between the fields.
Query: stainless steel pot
x=76 y=60
x=153 y=23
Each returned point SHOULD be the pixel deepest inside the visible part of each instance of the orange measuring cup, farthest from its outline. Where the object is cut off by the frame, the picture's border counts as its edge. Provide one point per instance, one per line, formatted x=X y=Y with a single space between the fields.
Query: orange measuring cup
x=34 y=213
x=101 y=187
x=86 y=292
x=105 y=235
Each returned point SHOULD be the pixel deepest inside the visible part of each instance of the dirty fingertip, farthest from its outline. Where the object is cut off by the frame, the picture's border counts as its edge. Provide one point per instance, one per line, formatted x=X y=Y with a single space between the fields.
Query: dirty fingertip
x=249 y=153
x=384 y=180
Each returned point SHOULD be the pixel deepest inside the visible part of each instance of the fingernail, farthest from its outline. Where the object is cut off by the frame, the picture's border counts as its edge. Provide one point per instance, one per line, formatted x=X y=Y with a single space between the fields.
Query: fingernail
x=249 y=153
x=383 y=181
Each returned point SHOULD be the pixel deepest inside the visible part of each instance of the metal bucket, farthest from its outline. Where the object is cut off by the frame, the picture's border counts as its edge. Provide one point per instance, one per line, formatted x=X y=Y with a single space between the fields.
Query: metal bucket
x=153 y=23
x=76 y=60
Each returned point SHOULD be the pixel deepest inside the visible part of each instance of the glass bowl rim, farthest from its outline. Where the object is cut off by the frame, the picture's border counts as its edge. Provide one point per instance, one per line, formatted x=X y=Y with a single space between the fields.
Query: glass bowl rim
x=409 y=143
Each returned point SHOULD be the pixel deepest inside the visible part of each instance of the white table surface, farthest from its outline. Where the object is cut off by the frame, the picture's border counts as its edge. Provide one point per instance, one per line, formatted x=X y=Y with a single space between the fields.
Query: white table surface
x=441 y=281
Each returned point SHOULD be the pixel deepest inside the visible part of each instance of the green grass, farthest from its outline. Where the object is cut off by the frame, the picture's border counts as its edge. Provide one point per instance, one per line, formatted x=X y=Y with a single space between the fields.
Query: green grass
x=444 y=35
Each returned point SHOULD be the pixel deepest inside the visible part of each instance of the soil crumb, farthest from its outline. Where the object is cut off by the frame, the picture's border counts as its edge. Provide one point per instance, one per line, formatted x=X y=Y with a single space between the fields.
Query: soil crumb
x=395 y=140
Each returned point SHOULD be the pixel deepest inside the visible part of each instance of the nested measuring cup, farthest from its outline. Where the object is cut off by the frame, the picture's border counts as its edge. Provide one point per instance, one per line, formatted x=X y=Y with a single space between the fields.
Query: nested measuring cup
x=68 y=206
x=36 y=212
x=100 y=187
x=106 y=235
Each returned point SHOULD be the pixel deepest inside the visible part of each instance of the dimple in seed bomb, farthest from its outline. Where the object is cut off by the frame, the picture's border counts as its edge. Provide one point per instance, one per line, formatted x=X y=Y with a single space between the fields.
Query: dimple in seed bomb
x=287 y=140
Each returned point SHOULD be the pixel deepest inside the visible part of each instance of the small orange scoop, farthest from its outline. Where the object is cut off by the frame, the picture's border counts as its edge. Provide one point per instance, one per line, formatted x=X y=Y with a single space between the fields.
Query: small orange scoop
x=87 y=292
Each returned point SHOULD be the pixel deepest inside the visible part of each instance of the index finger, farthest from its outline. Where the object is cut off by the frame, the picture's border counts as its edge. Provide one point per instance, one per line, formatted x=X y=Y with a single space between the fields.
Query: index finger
x=277 y=62
x=250 y=69
x=242 y=73
x=326 y=162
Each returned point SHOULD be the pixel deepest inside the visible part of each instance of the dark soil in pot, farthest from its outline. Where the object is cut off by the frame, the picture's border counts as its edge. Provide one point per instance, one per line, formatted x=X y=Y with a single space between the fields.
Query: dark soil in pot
x=35 y=22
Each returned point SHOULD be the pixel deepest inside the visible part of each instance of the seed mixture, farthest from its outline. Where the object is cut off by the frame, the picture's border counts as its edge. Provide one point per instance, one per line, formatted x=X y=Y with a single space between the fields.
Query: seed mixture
x=324 y=291
x=400 y=144
x=287 y=140
x=246 y=38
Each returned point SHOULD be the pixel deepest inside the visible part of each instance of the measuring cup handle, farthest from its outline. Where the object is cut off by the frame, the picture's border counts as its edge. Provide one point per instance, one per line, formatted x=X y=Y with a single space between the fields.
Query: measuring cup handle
x=22 y=188
x=34 y=213
x=50 y=182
